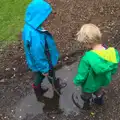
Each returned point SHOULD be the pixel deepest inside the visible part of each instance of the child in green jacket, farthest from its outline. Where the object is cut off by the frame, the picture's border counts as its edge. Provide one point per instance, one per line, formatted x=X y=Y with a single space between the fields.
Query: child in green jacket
x=96 y=66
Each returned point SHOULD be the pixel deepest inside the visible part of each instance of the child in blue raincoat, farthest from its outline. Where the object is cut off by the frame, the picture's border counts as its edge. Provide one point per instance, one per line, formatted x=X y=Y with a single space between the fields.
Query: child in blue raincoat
x=35 y=39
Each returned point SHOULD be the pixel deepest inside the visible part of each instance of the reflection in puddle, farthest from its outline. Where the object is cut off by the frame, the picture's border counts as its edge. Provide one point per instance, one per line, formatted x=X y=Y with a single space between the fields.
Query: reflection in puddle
x=51 y=103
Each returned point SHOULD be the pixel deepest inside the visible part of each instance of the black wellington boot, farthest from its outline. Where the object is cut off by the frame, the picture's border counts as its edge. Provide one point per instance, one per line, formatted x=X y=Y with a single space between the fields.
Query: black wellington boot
x=39 y=91
x=57 y=86
x=55 y=82
x=86 y=105
x=77 y=101
x=99 y=99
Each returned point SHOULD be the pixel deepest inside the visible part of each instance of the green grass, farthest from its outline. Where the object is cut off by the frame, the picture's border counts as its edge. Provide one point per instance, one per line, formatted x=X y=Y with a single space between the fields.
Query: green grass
x=11 y=19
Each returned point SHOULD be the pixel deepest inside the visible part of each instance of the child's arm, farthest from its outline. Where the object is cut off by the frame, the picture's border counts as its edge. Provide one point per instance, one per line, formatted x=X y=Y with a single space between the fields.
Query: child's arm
x=114 y=71
x=83 y=70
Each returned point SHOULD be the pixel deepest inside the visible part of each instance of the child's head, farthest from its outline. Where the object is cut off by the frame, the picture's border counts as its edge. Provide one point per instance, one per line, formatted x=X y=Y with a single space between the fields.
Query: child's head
x=49 y=19
x=89 y=35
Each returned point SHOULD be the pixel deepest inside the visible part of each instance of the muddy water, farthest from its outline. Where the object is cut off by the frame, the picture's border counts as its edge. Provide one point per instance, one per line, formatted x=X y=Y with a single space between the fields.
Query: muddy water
x=51 y=102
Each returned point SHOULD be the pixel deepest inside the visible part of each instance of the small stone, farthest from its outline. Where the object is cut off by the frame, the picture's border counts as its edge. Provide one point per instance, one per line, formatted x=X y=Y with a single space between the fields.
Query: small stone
x=66 y=58
x=53 y=117
x=1 y=50
x=12 y=110
x=14 y=69
x=65 y=79
x=20 y=117
x=2 y=80
x=7 y=69
x=13 y=76
x=29 y=105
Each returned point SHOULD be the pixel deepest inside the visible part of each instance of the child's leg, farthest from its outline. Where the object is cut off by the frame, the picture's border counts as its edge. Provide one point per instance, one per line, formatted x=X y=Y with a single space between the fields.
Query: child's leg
x=86 y=98
x=38 y=89
x=55 y=81
x=51 y=76
x=38 y=78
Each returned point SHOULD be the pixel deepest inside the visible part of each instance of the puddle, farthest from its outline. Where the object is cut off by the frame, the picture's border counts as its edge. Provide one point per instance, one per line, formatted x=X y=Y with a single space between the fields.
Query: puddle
x=52 y=102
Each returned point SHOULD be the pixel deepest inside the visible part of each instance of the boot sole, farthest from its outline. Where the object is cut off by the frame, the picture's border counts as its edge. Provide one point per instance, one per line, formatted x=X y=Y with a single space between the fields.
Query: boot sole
x=77 y=104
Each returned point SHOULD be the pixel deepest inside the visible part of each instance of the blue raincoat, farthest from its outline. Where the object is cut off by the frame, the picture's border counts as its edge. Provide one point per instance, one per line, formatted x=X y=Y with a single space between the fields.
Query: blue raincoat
x=34 y=37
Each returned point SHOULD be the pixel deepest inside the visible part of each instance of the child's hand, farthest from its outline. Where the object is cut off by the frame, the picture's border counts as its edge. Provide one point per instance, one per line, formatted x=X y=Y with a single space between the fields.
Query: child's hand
x=45 y=74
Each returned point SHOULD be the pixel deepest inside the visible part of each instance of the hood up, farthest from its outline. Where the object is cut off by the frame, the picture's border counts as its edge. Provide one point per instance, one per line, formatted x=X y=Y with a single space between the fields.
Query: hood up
x=37 y=12
x=104 y=60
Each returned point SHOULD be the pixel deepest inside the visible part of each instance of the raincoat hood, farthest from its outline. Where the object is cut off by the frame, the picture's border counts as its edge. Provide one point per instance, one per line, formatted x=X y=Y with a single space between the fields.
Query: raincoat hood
x=103 y=60
x=37 y=12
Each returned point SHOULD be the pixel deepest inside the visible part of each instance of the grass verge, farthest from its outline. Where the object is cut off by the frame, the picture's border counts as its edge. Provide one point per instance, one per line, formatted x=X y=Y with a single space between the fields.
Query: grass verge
x=11 y=19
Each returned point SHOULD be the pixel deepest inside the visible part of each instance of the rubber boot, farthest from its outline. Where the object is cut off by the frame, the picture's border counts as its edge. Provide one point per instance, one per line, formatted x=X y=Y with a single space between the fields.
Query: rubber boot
x=57 y=85
x=86 y=105
x=77 y=101
x=39 y=91
x=55 y=82
x=99 y=100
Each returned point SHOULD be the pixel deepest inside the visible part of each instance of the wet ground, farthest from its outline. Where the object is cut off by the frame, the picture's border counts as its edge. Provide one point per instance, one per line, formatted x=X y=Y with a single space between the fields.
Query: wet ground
x=52 y=103
x=17 y=100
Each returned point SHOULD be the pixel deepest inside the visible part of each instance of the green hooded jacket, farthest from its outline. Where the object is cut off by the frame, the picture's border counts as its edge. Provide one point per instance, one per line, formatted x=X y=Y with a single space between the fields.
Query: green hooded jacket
x=96 y=69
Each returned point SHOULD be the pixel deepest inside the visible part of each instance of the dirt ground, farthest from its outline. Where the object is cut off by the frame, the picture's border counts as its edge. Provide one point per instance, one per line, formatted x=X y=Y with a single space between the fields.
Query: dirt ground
x=69 y=15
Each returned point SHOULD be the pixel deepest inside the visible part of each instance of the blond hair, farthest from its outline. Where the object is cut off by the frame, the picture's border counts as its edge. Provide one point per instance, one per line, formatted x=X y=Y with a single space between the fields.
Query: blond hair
x=89 y=33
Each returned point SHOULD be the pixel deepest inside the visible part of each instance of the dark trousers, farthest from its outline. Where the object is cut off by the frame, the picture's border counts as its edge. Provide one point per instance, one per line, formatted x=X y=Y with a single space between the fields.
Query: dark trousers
x=87 y=96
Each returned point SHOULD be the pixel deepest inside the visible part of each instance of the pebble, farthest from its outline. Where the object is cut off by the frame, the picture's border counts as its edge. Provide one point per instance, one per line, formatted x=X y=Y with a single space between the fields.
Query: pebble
x=2 y=80
x=29 y=105
x=53 y=117
x=66 y=58
x=12 y=110
x=66 y=79
x=14 y=69
x=13 y=76
x=7 y=69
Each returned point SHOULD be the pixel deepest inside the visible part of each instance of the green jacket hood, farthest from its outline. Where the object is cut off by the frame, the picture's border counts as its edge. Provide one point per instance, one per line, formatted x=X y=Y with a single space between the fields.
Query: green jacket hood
x=102 y=61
